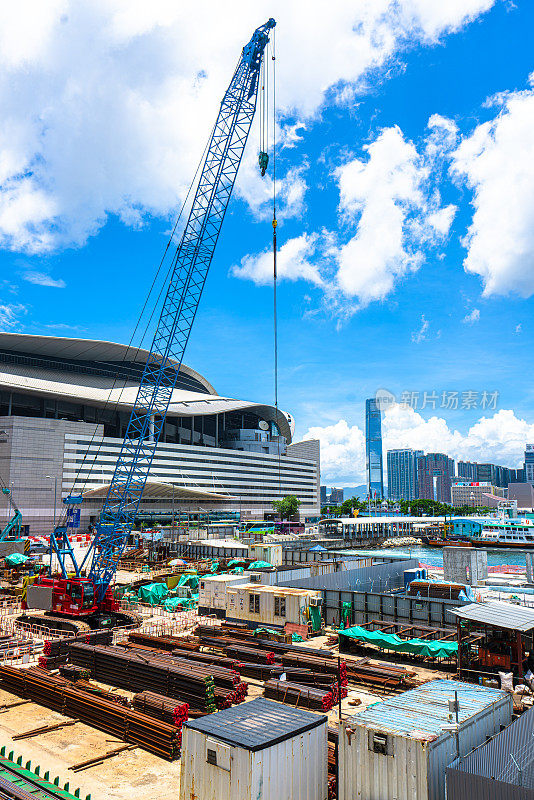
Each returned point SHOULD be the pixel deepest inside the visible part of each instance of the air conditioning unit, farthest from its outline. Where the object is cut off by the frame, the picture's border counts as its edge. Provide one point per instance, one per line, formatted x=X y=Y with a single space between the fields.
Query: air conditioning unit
x=255 y=578
x=316 y=601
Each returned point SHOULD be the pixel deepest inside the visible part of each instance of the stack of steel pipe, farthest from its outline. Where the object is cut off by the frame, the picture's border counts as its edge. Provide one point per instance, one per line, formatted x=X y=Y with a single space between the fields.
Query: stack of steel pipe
x=324 y=665
x=127 y=724
x=161 y=707
x=55 y=651
x=73 y=673
x=255 y=655
x=385 y=675
x=158 y=642
x=184 y=680
x=298 y=695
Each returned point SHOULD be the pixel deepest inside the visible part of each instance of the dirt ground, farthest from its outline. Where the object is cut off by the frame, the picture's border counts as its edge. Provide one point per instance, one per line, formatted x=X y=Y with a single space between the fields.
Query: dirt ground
x=131 y=775
x=134 y=774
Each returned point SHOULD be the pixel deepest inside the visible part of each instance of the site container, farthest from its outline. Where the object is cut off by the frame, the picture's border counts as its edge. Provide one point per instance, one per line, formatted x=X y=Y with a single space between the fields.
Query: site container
x=260 y=749
x=400 y=748
x=271 y=605
x=212 y=592
x=265 y=551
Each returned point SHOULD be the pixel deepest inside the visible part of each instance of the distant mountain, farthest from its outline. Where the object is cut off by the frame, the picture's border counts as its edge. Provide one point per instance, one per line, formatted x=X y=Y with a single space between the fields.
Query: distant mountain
x=359 y=492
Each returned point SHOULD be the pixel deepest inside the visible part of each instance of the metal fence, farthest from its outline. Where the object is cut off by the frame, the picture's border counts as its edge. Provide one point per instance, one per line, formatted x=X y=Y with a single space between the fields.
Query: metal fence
x=366 y=606
x=501 y=768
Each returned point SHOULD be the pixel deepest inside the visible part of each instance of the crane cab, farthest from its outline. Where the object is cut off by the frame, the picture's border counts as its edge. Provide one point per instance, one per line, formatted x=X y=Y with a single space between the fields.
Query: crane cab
x=74 y=597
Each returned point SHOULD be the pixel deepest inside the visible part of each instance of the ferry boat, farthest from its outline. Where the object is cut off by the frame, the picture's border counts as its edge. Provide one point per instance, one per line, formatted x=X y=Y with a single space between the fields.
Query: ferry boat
x=505 y=532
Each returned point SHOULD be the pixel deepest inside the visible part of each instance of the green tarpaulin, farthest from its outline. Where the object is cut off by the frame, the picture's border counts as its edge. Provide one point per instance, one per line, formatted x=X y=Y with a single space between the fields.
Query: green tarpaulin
x=234 y=562
x=177 y=603
x=390 y=641
x=189 y=579
x=14 y=559
x=152 y=593
x=260 y=565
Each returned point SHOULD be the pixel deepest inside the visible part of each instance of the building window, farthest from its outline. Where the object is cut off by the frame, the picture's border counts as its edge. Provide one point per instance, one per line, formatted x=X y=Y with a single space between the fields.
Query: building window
x=254 y=603
x=379 y=743
x=279 y=606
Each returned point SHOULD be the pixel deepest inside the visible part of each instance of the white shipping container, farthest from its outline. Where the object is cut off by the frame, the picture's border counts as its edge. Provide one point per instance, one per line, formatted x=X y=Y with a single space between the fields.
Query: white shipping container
x=212 y=591
x=264 y=551
x=398 y=749
x=270 y=605
x=256 y=750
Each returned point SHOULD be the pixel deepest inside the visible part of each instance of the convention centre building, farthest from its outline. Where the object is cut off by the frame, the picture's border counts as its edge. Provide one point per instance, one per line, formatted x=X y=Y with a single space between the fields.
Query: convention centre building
x=64 y=408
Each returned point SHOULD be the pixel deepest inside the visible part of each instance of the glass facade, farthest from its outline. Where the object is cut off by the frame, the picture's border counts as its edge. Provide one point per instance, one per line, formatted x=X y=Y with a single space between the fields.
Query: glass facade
x=373 y=449
x=232 y=430
x=402 y=474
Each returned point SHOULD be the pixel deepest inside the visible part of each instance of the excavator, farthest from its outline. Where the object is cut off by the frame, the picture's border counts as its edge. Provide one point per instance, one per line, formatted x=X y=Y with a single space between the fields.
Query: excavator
x=81 y=598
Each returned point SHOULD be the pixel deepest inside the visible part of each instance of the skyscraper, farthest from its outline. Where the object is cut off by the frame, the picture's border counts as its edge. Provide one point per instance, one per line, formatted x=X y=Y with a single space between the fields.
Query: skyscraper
x=529 y=463
x=434 y=474
x=373 y=449
x=336 y=496
x=467 y=470
x=402 y=474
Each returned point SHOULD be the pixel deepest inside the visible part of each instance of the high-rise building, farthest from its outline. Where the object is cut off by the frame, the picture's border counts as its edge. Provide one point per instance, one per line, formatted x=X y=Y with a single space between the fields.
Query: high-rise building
x=467 y=470
x=434 y=474
x=336 y=496
x=529 y=463
x=324 y=490
x=402 y=474
x=373 y=449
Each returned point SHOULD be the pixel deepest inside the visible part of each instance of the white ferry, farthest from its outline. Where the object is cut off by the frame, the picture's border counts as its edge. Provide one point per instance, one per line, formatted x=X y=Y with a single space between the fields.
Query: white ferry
x=505 y=532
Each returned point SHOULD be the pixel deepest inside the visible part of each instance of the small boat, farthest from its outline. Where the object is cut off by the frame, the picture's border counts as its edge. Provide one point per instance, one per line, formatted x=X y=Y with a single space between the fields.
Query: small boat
x=439 y=541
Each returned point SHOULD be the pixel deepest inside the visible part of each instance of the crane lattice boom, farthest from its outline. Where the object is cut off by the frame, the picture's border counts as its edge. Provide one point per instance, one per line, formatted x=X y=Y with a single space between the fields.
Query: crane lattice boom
x=189 y=270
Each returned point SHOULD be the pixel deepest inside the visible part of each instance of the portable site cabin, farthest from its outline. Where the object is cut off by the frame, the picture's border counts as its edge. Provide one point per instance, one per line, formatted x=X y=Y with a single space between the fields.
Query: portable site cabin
x=255 y=749
x=273 y=605
x=401 y=747
x=212 y=592
x=266 y=551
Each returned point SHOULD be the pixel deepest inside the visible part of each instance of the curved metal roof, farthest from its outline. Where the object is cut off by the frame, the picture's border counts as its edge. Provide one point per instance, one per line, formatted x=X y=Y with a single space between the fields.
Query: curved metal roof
x=84 y=349
x=101 y=390
x=163 y=491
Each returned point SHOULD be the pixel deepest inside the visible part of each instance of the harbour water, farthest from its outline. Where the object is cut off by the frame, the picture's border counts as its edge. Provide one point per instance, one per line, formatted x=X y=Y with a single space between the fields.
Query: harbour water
x=434 y=555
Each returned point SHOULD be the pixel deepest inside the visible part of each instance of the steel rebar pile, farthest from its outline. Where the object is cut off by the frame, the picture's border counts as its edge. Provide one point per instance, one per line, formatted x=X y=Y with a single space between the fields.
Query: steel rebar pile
x=298 y=695
x=324 y=665
x=251 y=654
x=126 y=724
x=161 y=707
x=157 y=642
x=161 y=674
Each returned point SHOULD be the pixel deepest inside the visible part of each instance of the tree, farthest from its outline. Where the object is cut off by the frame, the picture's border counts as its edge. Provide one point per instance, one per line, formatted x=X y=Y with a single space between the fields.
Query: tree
x=287 y=507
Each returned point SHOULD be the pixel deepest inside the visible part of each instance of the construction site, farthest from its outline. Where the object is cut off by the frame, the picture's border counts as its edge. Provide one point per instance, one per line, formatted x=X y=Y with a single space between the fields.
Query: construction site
x=219 y=660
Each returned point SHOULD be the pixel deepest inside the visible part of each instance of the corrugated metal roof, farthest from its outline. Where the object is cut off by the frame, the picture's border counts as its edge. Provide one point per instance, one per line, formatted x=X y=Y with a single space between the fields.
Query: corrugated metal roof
x=258 y=724
x=501 y=615
x=421 y=713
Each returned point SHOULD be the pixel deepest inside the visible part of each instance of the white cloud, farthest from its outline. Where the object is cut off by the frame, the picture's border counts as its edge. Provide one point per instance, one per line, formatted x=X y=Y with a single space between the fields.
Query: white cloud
x=472 y=317
x=293 y=263
x=42 y=279
x=342 y=452
x=499 y=439
x=10 y=314
x=397 y=213
x=497 y=162
x=106 y=105
x=420 y=335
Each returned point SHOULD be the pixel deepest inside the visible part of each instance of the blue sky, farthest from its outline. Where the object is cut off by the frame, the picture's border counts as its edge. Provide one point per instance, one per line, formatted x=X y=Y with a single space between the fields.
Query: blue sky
x=408 y=248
